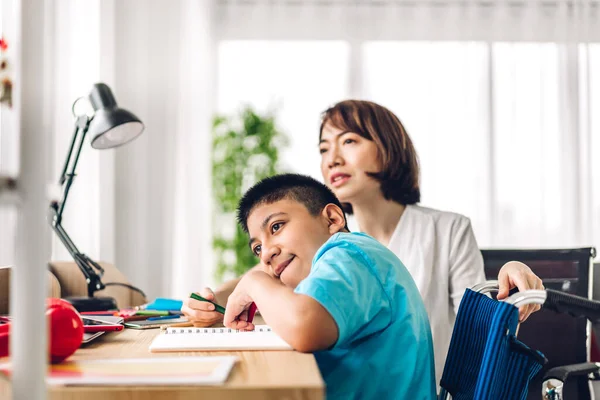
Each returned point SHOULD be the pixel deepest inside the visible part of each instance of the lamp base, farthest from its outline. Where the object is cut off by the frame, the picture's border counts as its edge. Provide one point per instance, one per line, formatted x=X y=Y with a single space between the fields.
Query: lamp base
x=83 y=304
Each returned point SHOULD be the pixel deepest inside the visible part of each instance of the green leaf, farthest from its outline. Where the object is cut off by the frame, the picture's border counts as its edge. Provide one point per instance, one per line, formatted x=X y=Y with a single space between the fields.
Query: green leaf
x=232 y=169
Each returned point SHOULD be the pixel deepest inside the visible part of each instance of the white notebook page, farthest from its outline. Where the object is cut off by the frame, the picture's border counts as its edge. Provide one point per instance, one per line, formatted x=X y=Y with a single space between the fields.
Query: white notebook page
x=214 y=339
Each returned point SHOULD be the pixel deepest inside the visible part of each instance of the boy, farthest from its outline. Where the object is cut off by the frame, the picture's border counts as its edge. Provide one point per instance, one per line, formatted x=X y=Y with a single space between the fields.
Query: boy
x=341 y=295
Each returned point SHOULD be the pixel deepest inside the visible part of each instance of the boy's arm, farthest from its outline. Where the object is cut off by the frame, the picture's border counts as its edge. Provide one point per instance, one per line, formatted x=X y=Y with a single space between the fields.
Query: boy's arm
x=225 y=290
x=299 y=319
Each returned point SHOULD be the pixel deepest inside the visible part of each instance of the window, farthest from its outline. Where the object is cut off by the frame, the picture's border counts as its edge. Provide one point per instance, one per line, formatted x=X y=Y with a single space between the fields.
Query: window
x=530 y=159
x=299 y=80
x=500 y=128
x=440 y=93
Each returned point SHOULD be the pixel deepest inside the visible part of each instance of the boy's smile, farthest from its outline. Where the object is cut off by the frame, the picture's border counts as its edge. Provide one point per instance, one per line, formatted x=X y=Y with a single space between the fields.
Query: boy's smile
x=286 y=237
x=281 y=267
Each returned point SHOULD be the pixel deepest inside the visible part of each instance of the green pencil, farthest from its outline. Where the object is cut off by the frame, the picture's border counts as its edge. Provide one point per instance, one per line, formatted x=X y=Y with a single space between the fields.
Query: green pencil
x=151 y=312
x=218 y=308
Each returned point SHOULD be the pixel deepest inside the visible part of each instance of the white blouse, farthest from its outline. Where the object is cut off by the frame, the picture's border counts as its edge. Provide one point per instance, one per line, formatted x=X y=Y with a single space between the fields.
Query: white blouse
x=440 y=251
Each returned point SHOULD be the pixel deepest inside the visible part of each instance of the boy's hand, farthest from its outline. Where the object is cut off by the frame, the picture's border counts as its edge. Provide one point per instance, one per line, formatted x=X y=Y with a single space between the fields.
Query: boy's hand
x=516 y=274
x=236 y=311
x=201 y=313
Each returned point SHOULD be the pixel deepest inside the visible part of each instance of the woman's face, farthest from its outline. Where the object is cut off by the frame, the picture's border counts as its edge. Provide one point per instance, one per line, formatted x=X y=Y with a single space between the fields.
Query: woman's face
x=346 y=157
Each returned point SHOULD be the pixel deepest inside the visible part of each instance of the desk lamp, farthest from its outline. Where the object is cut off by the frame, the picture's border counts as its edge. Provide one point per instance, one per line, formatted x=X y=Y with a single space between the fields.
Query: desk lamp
x=110 y=126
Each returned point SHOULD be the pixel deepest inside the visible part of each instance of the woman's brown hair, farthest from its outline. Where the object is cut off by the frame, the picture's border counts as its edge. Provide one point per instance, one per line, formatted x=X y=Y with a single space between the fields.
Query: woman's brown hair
x=399 y=175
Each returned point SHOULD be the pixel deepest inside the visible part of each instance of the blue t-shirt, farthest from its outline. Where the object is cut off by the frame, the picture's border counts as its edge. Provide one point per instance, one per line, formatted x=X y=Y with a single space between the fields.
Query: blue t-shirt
x=384 y=348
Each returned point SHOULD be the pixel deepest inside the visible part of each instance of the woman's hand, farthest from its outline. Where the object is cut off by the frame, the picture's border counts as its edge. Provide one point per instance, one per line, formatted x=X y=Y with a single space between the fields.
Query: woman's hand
x=201 y=313
x=516 y=274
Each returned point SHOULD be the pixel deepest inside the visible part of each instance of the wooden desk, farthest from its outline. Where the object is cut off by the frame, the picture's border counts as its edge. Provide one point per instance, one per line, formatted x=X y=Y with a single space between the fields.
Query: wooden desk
x=258 y=374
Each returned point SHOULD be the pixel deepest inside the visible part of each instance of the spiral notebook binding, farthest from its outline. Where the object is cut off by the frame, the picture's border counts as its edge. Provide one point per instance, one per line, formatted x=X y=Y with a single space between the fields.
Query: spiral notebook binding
x=213 y=330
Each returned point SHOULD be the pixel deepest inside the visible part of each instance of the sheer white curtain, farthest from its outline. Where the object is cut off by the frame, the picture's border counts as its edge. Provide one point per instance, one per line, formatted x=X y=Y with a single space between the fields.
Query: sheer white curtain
x=539 y=163
x=440 y=93
x=164 y=57
x=75 y=66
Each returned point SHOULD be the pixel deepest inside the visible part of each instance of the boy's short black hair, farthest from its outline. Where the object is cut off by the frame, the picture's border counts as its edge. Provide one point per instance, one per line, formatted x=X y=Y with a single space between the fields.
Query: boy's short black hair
x=311 y=193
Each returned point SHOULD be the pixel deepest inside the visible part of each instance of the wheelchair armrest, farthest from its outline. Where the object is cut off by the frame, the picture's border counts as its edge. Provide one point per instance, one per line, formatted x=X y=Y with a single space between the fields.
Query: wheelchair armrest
x=555 y=378
x=573 y=305
x=564 y=372
x=562 y=303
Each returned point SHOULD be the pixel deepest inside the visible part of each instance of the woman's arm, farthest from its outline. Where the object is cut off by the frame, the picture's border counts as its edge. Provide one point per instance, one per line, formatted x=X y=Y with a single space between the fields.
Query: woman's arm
x=466 y=262
x=466 y=270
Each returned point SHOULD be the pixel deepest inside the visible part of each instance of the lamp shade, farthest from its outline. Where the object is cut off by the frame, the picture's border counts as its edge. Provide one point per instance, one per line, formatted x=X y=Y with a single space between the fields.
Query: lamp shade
x=111 y=126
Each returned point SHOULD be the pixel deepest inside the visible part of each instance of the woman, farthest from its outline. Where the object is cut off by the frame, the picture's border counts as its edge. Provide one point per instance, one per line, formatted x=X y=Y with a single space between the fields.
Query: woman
x=369 y=162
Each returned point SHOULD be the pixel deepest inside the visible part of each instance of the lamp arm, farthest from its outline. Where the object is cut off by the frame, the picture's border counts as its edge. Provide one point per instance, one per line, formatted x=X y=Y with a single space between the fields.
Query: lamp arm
x=85 y=264
x=63 y=174
x=66 y=178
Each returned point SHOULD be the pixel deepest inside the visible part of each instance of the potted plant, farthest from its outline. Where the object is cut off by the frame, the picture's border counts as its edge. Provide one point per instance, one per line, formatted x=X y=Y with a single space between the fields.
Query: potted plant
x=245 y=150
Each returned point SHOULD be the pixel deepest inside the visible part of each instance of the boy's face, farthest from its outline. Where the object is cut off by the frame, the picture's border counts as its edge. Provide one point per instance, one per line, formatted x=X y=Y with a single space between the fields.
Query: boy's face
x=286 y=237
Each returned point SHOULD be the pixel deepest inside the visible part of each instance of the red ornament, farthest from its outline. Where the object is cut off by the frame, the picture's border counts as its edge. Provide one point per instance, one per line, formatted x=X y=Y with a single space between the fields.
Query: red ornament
x=65 y=328
x=3 y=44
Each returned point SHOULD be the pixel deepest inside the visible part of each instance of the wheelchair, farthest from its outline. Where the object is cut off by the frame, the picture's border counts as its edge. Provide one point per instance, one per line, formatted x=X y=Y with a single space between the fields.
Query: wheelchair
x=486 y=360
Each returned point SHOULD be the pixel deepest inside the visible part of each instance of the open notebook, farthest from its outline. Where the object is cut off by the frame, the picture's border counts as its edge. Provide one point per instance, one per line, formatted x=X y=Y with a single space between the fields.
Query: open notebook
x=213 y=339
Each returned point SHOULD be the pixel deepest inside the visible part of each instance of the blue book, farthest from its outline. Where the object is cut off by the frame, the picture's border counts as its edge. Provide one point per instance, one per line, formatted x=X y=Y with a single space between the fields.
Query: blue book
x=164 y=304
